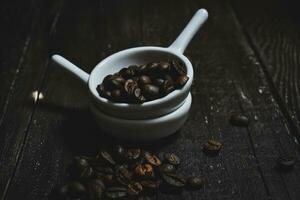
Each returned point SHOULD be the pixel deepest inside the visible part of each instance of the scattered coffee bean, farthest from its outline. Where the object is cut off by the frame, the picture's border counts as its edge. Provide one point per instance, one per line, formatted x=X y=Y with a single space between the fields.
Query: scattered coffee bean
x=152 y=159
x=172 y=158
x=122 y=174
x=194 y=183
x=211 y=147
x=76 y=189
x=95 y=188
x=174 y=180
x=285 y=163
x=134 y=188
x=144 y=170
x=237 y=119
x=133 y=154
x=104 y=155
x=167 y=168
x=155 y=79
x=119 y=172
x=116 y=192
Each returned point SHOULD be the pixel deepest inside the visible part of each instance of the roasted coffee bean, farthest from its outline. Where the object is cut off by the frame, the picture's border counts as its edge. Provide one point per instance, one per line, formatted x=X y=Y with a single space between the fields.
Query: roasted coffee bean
x=134 y=188
x=106 y=157
x=116 y=192
x=194 y=183
x=158 y=82
x=164 y=67
x=143 y=170
x=143 y=80
x=167 y=87
x=152 y=68
x=133 y=154
x=95 y=188
x=102 y=92
x=177 y=68
x=142 y=69
x=137 y=93
x=116 y=82
x=172 y=158
x=181 y=81
x=151 y=91
x=86 y=172
x=129 y=86
x=174 y=180
x=107 y=81
x=285 y=163
x=80 y=163
x=108 y=179
x=103 y=170
x=167 y=77
x=149 y=184
x=122 y=174
x=117 y=95
x=127 y=73
x=211 y=147
x=152 y=159
x=167 y=168
x=237 y=119
x=76 y=189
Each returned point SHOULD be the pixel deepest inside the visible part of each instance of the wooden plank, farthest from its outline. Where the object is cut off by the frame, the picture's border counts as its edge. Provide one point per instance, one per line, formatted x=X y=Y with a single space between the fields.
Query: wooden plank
x=273 y=32
x=62 y=127
x=234 y=173
x=28 y=67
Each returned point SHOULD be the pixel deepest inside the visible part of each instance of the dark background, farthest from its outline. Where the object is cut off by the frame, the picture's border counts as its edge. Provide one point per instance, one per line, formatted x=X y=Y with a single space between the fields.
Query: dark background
x=246 y=59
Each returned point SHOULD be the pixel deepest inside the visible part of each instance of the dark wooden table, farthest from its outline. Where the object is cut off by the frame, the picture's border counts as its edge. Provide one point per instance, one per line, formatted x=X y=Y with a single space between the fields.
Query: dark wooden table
x=246 y=59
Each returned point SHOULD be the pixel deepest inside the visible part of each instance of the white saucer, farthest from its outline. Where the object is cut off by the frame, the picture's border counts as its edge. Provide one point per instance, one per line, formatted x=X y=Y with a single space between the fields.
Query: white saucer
x=144 y=129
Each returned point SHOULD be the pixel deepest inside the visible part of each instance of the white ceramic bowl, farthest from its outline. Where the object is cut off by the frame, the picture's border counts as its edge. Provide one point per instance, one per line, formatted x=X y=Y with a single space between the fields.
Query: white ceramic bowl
x=141 y=55
x=143 y=130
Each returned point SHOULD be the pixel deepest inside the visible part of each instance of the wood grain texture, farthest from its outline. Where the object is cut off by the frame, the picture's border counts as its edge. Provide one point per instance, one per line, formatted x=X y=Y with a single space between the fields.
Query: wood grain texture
x=39 y=141
x=273 y=30
x=27 y=58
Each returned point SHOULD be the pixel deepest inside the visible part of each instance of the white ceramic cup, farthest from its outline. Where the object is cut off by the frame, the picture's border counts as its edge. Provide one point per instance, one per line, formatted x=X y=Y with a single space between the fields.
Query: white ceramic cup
x=137 y=56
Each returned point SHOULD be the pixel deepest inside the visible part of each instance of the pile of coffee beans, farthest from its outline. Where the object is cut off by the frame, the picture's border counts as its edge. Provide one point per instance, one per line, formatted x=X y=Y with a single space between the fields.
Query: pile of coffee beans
x=138 y=84
x=125 y=174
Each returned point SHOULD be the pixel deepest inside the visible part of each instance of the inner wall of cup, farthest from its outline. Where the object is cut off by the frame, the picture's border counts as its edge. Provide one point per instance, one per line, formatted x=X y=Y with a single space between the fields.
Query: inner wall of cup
x=116 y=62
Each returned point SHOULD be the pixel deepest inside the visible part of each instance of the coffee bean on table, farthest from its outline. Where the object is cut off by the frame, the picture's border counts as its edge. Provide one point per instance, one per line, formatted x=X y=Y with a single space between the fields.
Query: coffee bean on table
x=194 y=183
x=116 y=192
x=134 y=188
x=174 y=180
x=172 y=158
x=76 y=189
x=152 y=159
x=237 y=119
x=211 y=147
x=95 y=188
x=167 y=168
x=285 y=163
x=149 y=184
x=123 y=176
x=133 y=154
x=143 y=170
x=106 y=157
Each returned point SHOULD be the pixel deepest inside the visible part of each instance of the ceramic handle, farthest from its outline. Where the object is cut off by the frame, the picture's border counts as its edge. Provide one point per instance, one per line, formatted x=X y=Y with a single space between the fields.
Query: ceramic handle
x=82 y=75
x=189 y=31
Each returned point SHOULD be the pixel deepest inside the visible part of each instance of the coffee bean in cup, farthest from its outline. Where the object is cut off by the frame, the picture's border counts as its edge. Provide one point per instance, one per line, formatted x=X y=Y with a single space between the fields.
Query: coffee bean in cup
x=147 y=82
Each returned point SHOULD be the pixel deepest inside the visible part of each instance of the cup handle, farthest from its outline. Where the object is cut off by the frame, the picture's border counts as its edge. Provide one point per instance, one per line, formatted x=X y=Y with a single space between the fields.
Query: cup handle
x=189 y=31
x=82 y=75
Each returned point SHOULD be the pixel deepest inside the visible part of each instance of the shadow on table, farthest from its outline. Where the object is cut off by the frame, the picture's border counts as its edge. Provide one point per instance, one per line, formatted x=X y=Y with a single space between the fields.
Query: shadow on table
x=82 y=136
